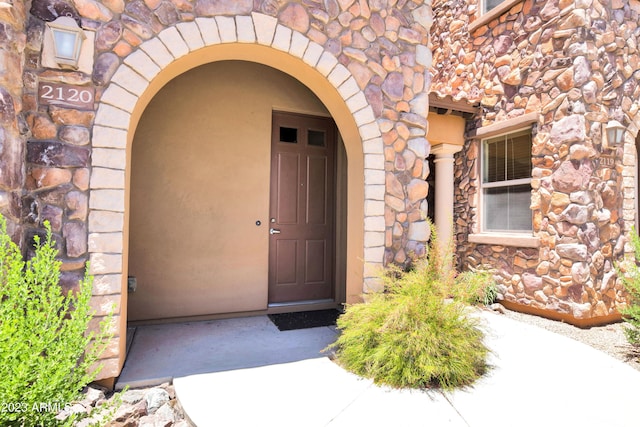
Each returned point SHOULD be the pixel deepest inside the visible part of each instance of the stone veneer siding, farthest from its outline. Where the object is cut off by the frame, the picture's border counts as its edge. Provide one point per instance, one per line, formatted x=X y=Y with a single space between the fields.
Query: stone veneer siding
x=13 y=129
x=576 y=64
x=374 y=53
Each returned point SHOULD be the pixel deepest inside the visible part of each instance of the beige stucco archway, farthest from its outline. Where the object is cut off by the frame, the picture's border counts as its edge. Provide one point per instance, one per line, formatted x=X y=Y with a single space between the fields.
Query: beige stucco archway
x=256 y=38
x=200 y=190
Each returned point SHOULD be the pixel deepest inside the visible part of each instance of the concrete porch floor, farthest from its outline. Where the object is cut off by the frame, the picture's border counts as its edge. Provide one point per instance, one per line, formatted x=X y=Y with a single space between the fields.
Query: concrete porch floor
x=242 y=372
x=159 y=353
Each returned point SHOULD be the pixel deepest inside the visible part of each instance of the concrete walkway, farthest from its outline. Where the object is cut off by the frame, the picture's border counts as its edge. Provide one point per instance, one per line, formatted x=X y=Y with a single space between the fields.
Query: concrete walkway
x=271 y=378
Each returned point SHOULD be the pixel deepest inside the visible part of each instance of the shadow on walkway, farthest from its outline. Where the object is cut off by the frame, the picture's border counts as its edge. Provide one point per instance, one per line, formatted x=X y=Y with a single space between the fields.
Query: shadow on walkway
x=160 y=353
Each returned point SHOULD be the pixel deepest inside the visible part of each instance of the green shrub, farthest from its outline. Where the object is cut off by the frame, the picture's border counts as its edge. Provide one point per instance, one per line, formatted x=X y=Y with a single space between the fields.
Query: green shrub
x=418 y=332
x=476 y=287
x=43 y=336
x=629 y=273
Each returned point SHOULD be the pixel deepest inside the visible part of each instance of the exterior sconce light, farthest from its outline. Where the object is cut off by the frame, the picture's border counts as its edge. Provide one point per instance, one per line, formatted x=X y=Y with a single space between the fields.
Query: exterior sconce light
x=67 y=41
x=615 y=132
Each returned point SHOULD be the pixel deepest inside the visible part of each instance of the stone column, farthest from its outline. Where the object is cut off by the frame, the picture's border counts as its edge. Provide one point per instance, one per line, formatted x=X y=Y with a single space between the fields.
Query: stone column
x=444 y=190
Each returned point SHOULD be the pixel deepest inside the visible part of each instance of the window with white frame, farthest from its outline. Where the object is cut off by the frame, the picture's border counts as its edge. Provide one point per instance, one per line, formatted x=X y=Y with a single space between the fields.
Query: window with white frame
x=489 y=10
x=506 y=183
x=488 y=5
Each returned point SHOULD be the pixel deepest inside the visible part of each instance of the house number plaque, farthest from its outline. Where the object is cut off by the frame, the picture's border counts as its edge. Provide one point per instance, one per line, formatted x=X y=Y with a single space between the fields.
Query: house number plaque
x=66 y=95
x=607 y=161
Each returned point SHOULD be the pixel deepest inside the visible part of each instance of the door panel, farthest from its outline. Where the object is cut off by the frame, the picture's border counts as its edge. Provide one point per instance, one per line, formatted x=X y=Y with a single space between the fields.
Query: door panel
x=286 y=256
x=315 y=261
x=301 y=248
x=288 y=171
x=316 y=191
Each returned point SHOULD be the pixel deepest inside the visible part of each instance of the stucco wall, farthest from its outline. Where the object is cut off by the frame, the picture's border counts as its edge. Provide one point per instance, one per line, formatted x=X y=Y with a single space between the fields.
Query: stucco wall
x=199 y=182
x=446 y=129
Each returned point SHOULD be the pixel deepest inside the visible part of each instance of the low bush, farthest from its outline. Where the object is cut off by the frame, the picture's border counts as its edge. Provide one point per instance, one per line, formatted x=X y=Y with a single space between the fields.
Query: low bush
x=476 y=287
x=47 y=355
x=418 y=333
x=629 y=273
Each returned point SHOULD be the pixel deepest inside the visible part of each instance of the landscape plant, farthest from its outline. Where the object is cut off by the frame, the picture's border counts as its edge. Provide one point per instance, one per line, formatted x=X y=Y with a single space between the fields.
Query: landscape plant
x=418 y=332
x=629 y=273
x=47 y=355
x=476 y=287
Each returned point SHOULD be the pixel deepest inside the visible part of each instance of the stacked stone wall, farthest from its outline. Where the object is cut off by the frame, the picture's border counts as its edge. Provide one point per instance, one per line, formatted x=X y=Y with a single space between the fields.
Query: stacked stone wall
x=13 y=18
x=576 y=64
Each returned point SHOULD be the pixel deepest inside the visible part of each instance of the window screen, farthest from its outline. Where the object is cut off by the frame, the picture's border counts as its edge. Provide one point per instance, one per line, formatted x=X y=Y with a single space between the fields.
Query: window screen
x=506 y=182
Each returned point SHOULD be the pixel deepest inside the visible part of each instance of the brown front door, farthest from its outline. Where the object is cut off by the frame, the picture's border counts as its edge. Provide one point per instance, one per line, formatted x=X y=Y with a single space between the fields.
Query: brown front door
x=301 y=244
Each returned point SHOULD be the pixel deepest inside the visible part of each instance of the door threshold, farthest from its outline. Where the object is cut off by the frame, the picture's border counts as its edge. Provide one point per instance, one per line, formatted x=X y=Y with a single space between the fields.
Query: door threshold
x=307 y=305
x=305 y=302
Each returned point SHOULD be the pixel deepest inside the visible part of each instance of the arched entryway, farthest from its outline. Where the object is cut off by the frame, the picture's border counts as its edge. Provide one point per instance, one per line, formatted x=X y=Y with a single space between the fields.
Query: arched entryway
x=177 y=50
x=200 y=190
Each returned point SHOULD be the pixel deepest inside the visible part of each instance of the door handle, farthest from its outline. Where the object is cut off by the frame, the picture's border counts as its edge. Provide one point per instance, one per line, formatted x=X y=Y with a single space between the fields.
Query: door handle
x=274 y=231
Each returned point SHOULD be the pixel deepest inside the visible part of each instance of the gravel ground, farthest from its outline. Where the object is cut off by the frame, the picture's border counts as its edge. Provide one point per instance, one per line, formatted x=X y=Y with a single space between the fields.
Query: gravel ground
x=609 y=338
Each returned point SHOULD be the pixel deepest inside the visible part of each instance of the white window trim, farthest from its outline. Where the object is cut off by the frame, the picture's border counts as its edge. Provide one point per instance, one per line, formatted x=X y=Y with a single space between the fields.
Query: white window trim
x=485 y=18
x=507 y=182
x=507 y=126
x=505 y=239
x=524 y=239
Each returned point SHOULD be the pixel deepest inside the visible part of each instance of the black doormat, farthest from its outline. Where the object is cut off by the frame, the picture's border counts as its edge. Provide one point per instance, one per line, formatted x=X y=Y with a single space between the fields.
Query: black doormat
x=304 y=319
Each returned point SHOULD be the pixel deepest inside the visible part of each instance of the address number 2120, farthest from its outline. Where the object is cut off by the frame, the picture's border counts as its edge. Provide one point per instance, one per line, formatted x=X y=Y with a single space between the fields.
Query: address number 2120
x=69 y=94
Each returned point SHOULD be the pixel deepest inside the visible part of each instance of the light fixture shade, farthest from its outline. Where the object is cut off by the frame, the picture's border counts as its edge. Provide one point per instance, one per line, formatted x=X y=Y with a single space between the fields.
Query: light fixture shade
x=67 y=40
x=615 y=132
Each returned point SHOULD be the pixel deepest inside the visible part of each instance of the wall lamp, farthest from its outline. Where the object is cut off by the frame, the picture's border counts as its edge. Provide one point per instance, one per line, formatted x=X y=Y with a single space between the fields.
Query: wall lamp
x=67 y=41
x=615 y=132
